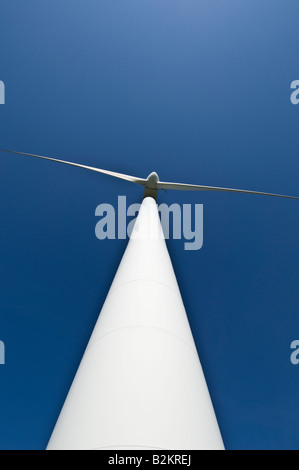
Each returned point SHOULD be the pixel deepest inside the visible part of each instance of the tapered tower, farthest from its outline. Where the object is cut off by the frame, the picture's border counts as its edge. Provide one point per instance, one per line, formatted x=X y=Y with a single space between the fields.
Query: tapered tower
x=140 y=384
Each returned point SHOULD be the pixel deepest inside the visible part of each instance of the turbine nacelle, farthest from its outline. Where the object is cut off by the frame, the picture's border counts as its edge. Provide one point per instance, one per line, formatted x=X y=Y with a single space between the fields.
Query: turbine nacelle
x=152 y=180
x=151 y=186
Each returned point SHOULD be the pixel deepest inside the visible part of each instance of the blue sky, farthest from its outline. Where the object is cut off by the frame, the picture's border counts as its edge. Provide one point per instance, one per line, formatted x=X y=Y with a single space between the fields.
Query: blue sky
x=199 y=91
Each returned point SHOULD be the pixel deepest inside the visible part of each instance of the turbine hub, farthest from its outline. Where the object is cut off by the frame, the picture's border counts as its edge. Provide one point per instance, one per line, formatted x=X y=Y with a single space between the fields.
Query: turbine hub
x=151 y=189
x=152 y=180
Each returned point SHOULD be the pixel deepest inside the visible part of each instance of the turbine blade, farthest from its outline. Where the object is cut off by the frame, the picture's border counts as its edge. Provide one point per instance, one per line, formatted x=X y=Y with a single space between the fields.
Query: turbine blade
x=122 y=176
x=194 y=187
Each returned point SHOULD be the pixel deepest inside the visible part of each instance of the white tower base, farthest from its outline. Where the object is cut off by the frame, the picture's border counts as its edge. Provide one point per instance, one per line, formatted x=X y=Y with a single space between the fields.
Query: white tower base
x=140 y=384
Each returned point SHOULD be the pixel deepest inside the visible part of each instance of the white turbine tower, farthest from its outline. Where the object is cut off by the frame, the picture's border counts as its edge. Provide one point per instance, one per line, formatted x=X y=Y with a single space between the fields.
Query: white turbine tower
x=140 y=384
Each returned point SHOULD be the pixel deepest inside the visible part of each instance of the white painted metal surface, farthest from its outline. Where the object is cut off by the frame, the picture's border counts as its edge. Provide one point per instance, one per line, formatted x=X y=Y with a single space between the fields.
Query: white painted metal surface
x=140 y=384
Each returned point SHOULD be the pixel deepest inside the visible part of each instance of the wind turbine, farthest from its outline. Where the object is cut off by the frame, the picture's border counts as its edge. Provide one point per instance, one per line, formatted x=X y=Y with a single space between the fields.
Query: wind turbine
x=140 y=384
x=152 y=183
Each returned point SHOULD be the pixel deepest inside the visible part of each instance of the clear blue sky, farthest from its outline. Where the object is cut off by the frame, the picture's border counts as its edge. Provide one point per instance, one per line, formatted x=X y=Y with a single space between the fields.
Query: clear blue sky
x=199 y=91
